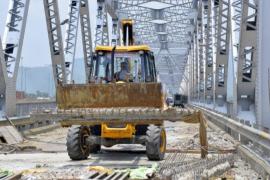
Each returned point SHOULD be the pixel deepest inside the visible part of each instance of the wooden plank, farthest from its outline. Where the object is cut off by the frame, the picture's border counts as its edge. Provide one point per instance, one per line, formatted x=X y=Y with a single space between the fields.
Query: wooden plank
x=11 y=135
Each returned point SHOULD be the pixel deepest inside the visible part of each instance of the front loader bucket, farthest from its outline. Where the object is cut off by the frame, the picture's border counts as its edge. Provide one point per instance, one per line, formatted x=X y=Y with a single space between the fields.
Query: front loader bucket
x=110 y=95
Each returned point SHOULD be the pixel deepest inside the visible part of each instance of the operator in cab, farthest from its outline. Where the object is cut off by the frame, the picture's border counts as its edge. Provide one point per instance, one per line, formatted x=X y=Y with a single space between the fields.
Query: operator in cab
x=123 y=74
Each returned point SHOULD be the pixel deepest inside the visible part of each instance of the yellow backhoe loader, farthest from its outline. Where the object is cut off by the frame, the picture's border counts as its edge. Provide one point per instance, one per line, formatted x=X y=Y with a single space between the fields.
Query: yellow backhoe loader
x=122 y=104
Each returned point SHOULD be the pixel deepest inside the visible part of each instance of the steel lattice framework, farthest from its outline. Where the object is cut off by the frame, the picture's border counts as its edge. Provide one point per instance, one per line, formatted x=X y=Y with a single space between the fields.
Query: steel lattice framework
x=217 y=49
x=166 y=26
x=10 y=53
x=224 y=63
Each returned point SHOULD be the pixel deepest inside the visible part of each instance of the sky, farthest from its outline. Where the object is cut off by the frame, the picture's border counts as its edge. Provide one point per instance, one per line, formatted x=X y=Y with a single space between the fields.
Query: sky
x=35 y=50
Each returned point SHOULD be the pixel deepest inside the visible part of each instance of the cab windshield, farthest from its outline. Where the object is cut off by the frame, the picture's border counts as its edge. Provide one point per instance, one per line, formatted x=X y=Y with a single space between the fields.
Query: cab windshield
x=129 y=67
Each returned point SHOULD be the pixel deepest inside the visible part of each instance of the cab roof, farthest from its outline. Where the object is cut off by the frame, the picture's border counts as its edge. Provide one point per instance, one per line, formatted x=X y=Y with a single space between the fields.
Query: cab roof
x=123 y=48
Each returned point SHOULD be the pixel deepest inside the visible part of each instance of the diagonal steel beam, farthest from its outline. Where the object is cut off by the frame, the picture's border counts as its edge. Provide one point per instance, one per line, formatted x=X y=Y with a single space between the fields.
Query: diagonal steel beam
x=102 y=33
x=12 y=49
x=55 y=41
x=86 y=39
x=71 y=37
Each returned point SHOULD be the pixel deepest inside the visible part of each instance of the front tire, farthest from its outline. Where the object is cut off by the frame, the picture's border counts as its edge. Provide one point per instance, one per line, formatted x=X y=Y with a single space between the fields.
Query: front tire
x=76 y=142
x=155 y=143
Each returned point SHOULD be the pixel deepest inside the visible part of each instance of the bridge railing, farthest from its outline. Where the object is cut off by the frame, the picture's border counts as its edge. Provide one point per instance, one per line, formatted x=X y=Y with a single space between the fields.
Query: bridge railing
x=247 y=134
x=24 y=123
x=254 y=143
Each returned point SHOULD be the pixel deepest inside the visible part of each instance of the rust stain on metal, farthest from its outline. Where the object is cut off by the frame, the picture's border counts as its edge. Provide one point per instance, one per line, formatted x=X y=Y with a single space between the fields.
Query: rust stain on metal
x=110 y=95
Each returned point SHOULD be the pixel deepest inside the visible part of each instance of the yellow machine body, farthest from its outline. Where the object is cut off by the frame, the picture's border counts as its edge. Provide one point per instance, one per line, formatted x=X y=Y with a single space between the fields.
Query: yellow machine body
x=117 y=132
x=123 y=48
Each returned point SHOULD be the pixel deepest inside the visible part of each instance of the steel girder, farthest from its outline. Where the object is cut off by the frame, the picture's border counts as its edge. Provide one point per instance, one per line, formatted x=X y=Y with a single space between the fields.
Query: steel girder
x=115 y=32
x=11 y=53
x=247 y=58
x=63 y=59
x=86 y=38
x=78 y=11
x=211 y=44
x=71 y=37
x=234 y=37
x=196 y=67
x=55 y=41
x=191 y=71
x=201 y=25
x=222 y=52
x=211 y=52
x=102 y=32
x=209 y=74
x=3 y=78
x=190 y=75
x=263 y=67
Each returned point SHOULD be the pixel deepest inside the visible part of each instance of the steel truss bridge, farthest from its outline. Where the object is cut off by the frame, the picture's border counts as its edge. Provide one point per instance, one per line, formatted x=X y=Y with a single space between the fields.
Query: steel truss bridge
x=215 y=51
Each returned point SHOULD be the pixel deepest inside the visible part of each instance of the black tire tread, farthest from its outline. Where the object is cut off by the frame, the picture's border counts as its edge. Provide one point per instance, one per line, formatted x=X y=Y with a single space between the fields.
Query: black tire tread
x=74 y=144
x=153 y=143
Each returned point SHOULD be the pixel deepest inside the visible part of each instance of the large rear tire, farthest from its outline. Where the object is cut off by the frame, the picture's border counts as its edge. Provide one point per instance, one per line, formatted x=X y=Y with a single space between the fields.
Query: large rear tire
x=155 y=143
x=77 y=147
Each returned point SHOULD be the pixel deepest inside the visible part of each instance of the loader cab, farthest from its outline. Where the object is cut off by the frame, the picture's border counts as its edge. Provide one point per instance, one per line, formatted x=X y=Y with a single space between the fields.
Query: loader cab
x=137 y=61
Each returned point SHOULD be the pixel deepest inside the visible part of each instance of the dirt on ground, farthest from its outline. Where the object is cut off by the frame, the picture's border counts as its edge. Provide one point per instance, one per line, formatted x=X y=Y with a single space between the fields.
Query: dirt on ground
x=46 y=154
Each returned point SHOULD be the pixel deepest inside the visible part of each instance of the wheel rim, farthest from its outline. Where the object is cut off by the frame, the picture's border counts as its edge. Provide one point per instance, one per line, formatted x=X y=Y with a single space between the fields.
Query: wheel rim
x=84 y=135
x=162 y=141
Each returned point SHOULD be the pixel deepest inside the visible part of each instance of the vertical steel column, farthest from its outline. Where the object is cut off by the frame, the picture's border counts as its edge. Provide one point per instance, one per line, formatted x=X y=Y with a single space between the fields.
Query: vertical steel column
x=201 y=51
x=215 y=22
x=235 y=20
x=206 y=49
x=115 y=32
x=71 y=37
x=194 y=62
x=247 y=60
x=263 y=67
x=196 y=69
x=3 y=78
x=86 y=38
x=222 y=53
x=209 y=93
x=55 y=40
x=169 y=64
x=102 y=33
x=12 y=48
x=192 y=79
x=190 y=72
